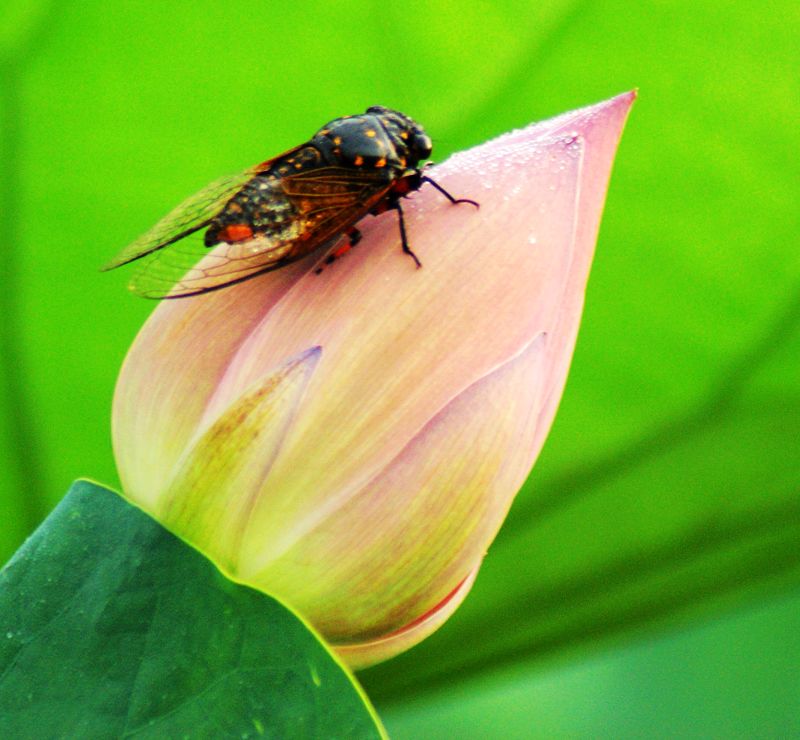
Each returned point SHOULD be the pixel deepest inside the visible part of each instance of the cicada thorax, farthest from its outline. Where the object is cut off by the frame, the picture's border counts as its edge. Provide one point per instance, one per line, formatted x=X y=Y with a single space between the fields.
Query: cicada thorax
x=361 y=142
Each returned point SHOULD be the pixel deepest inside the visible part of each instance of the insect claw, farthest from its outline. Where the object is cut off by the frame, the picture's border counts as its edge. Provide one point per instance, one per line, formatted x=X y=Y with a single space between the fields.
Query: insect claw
x=354 y=235
x=413 y=256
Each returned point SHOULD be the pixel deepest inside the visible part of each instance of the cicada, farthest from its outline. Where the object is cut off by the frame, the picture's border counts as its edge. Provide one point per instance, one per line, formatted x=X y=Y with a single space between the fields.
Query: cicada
x=281 y=210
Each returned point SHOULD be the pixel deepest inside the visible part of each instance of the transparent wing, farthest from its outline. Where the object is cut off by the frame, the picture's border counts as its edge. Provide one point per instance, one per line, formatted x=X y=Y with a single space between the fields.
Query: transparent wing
x=324 y=203
x=190 y=216
x=190 y=268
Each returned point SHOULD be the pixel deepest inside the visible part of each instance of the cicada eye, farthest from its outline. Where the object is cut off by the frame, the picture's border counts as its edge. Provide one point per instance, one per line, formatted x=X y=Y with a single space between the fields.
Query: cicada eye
x=422 y=145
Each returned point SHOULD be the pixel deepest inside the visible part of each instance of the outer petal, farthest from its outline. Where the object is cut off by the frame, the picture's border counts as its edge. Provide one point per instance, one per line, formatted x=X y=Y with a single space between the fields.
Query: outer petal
x=408 y=538
x=213 y=488
x=171 y=372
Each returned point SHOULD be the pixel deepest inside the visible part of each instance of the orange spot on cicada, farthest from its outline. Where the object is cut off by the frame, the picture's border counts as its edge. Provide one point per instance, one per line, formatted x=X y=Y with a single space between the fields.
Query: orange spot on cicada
x=235 y=233
x=339 y=251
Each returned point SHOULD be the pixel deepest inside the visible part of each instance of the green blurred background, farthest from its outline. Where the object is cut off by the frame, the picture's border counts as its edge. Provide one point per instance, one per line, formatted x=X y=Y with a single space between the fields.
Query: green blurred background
x=647 y=581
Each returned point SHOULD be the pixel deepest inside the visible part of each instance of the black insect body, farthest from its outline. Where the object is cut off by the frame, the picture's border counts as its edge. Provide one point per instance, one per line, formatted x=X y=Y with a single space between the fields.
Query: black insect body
x=285 y=208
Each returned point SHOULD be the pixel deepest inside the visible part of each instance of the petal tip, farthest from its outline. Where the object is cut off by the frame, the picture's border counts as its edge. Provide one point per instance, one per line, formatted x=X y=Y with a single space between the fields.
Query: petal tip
x=311 y=354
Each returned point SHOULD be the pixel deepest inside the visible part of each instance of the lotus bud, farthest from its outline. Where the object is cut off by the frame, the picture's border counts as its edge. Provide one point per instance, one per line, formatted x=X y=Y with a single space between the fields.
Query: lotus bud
x=351 y=441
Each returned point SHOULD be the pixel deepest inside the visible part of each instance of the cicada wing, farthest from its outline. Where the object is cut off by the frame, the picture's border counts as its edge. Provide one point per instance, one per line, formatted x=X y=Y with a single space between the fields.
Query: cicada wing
x=329 y=200
x=191 y=215
x=181 y=270
x=324 y=203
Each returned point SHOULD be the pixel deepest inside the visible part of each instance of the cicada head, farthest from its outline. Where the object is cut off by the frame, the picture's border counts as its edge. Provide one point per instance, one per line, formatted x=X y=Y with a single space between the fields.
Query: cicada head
x=408 y=138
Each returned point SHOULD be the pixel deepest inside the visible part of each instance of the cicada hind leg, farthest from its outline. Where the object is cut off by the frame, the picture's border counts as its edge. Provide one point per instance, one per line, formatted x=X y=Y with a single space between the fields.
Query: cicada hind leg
x=353 y=237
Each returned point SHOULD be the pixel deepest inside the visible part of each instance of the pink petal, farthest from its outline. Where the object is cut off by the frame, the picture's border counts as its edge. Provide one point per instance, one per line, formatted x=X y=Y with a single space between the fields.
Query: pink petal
x=407 y=539
x=213 y=488
x=173 y=369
